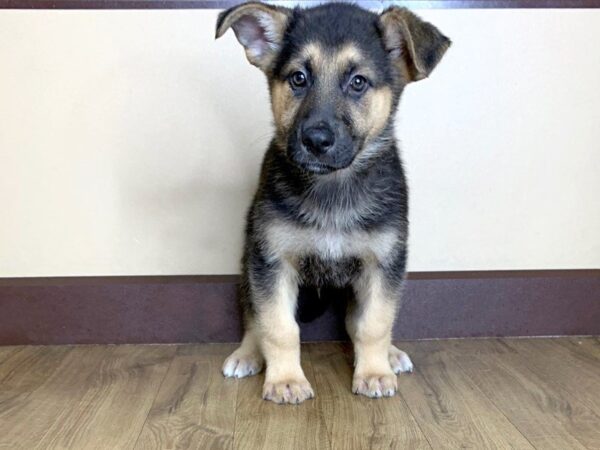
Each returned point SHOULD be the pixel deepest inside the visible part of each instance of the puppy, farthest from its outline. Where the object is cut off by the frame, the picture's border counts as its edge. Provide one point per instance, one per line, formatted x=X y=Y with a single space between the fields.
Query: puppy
x=331 y=206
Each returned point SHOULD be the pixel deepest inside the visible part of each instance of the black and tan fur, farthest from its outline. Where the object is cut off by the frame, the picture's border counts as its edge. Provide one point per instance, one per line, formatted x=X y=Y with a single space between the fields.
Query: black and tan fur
x=331 y=206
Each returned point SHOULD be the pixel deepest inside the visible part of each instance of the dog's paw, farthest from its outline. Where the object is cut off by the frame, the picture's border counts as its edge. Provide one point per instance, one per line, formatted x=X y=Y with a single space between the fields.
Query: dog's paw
x=399 y=360
x=291 y=390
x=375 y=385
x=241 y=364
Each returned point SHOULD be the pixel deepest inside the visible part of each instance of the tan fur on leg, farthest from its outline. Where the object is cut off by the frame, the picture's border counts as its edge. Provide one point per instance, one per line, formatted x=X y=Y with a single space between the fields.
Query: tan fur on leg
x=280 y=342
x=369 y=325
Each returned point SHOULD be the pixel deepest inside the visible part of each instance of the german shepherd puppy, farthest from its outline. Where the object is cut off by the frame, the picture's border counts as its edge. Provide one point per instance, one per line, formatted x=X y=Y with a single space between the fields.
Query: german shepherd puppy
x=331 y=206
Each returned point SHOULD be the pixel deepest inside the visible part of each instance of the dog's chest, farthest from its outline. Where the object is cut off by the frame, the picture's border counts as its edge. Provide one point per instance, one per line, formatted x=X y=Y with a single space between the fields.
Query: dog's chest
x=295 y=243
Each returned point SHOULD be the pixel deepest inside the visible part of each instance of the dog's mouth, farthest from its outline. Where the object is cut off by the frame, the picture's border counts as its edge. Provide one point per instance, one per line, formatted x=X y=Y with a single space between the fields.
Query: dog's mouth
x=317 y=167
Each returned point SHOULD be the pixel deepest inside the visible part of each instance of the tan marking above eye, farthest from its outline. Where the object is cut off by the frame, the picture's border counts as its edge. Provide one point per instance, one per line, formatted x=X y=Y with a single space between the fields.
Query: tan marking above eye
x=352 y=57
x=311 y=52
x=346 y=58
x=327 y=67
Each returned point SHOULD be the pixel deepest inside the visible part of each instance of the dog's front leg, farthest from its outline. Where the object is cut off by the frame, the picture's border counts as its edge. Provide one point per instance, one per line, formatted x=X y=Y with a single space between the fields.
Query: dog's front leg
x=279 y=337
x=369 y=323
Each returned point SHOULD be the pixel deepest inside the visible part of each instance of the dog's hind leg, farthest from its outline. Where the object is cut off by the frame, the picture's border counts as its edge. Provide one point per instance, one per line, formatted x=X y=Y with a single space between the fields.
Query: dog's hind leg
x=399 y=360
x=247 y=359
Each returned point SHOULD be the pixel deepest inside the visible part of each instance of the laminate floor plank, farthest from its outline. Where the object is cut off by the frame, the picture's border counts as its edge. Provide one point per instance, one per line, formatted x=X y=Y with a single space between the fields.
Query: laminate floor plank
x=98 y=397
x=21 y=375
x=548 y=416
x=589 y=346
x=449 y=407
x=573 y=369
x=8 y=351
x=262 y=424
x=195 y=406
x=481 y=394
x=355 y=421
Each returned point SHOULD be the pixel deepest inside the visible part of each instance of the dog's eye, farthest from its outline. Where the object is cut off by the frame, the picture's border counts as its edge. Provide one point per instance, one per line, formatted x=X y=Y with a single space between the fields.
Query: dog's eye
x=298 y=80
x=358 y=83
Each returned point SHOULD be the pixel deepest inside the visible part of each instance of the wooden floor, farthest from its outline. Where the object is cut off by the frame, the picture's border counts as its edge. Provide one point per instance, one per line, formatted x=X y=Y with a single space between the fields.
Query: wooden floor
x=497 y=393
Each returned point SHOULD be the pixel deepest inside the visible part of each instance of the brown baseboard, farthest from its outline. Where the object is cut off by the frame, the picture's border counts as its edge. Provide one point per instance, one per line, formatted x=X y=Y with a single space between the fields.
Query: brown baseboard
x=171 y=309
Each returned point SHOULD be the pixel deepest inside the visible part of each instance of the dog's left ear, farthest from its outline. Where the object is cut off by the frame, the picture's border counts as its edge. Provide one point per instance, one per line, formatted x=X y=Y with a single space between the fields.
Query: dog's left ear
x=259 y=28
x=417 y=46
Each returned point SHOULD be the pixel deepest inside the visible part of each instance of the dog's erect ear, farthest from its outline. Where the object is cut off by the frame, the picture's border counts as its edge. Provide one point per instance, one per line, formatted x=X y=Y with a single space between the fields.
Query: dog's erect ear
x=415 y=44
x=258 y=27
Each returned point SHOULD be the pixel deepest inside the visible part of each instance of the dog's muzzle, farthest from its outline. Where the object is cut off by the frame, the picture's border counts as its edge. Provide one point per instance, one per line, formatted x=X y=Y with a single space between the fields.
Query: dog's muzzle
x=319 y=149
x=318 y=140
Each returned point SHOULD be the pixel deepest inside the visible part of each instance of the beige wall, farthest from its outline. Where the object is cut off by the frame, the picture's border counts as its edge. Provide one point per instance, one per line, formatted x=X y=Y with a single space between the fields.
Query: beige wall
x=130 y=143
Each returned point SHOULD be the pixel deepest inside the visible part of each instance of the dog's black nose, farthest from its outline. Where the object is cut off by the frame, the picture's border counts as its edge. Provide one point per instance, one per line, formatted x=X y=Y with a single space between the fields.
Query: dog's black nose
x=318 y=140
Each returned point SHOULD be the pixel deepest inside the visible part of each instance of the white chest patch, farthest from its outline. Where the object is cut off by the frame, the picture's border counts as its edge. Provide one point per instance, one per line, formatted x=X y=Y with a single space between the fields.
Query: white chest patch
x=292 y=242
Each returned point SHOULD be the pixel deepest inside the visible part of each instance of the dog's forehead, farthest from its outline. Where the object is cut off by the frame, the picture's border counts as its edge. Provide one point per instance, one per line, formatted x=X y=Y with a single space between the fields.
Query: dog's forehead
x=339 y=31
x=320 y=58
x=333 y=23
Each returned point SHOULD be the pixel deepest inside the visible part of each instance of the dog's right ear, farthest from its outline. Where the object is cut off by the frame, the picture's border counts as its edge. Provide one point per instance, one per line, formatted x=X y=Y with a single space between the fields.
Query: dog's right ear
x=259 y=28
